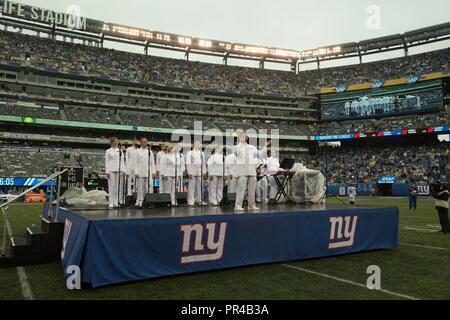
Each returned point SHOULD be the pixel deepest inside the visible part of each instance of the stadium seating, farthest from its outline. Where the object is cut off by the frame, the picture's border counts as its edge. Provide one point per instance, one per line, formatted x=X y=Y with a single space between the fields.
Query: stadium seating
x=38 y=162
x=27 y=109
x=391 y=123
x=422 y=163
x=350 y=165
x=87 y=114
x=106 y=63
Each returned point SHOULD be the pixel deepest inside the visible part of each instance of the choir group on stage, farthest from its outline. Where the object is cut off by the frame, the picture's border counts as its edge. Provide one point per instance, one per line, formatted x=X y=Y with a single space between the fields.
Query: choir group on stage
x=138 y=167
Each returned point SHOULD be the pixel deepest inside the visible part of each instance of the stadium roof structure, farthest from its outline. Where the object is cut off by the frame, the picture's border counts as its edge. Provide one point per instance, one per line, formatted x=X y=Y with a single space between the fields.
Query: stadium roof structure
x=72 y=25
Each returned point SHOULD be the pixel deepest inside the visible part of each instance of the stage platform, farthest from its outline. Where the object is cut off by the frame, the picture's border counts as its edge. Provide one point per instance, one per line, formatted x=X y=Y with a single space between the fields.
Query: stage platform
x=122 y=245
x=186 y=211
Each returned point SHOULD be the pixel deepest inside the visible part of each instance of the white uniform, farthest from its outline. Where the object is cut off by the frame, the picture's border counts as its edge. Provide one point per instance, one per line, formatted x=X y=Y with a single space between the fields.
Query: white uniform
x=262 y=186
x=131 y=169
x=352 y=195
x=159 y=160
x=246 y=163
x=115 y=163
x=230 y=171
x=216 y=174
x=273 y=166
x=145 y=169
x=172 y=166
x=196 y=167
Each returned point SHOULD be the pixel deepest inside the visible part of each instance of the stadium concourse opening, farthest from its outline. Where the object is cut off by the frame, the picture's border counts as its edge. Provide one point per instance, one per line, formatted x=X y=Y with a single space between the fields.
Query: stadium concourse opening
x=385 y=189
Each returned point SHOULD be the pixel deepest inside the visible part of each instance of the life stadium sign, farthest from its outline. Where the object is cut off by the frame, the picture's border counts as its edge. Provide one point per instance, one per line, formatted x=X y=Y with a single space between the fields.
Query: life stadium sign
x=71 y=19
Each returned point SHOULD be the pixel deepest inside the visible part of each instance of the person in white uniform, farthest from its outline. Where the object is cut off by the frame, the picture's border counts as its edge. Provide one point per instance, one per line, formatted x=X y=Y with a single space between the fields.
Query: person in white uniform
x=131 y=167
x=230 y=172
x=115 y=173
x=246 y=163
x=273 y=167
x=159 y=159
x=352 y=195
x=196 y=168
x=172 y=170
x=262 y=186
x=145 y=171
x=216 y=176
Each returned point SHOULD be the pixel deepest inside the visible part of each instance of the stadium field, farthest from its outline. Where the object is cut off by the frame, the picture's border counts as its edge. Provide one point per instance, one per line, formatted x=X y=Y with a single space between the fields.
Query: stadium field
x=417 y=269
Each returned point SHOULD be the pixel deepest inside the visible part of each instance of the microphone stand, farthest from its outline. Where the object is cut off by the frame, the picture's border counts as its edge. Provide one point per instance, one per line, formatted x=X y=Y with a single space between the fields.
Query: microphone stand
x=201 y=178
x=176 y=178
x=120 y=173
x=224 y=186
x=148 y=169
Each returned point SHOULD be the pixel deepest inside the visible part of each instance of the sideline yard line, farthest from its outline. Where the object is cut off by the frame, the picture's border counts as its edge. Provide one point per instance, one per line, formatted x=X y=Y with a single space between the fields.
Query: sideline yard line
x=392 y=293
x=23 y=279
x=424 y=247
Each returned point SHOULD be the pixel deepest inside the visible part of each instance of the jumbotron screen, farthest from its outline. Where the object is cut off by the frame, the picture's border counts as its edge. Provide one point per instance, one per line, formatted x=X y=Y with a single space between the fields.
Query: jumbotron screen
x=382 y=102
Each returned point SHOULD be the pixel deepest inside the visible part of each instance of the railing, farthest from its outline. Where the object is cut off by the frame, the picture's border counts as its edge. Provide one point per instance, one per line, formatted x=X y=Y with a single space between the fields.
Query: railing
x=4 y=207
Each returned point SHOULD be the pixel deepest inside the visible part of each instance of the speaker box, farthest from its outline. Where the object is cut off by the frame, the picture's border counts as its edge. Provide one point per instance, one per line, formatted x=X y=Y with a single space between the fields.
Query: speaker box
x=157 y=200
x=182 y=197
x=131 y=200
x=272 y=202
x=228 y=200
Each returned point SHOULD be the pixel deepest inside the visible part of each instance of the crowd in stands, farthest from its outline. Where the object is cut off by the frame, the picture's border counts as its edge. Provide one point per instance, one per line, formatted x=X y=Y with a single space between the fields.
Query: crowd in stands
x=40 y=162
x=378 y=71
x=79 y=59
x=24 y=109
x=391 y=123
x=417 y=164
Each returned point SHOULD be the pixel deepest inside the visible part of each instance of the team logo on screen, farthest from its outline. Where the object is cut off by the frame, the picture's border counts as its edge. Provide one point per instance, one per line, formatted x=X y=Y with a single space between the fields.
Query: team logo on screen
x=202 y=243
x=342 y=232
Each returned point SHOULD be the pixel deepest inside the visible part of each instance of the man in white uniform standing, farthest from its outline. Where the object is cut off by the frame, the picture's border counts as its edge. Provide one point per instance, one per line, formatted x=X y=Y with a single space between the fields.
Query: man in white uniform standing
x=145 y=171
x=159 y=159
x=172 y=169
x=262 y=186
x=115 y=169
x=247 y=161
x=230 y=172
x=131 y=167
x=273 y=167
x=196 y=168
x=216 y=176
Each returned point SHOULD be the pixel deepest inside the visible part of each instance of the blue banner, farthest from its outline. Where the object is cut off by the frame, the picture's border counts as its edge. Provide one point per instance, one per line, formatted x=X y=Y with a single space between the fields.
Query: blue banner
x=22 y=182
x=117 y=251
x=387 y=180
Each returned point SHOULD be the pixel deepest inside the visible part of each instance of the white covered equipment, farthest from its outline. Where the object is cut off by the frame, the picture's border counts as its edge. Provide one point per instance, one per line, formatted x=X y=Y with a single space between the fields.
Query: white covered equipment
x=308 y=186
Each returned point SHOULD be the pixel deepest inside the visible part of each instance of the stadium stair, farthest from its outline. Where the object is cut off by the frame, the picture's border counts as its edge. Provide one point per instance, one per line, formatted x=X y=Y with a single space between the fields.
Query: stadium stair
x=40 y=245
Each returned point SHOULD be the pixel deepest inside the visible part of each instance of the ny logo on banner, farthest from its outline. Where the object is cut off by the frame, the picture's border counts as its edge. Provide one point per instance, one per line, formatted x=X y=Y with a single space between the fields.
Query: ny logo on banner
x=203 y=252
x=67 y=228
x=342 y=233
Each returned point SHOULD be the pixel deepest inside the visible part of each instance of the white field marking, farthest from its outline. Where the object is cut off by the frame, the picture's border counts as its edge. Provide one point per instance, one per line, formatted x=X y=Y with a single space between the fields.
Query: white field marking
x=430 y=226
x=421 y=230
x=392 y=293
x=23 y=279
x=424 y=247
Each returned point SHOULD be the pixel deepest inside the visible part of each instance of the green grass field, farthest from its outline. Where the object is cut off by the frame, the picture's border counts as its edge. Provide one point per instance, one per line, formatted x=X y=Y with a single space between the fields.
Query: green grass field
x=419 y=268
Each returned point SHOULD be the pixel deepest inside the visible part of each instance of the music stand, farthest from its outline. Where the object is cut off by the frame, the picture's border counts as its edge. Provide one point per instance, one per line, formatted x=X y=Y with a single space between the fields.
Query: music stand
x=286 y=164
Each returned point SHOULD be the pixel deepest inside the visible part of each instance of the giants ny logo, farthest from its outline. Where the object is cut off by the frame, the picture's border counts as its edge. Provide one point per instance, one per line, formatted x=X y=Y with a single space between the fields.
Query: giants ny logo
x=67 y=228
x=342 y=232
x=207 y=246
